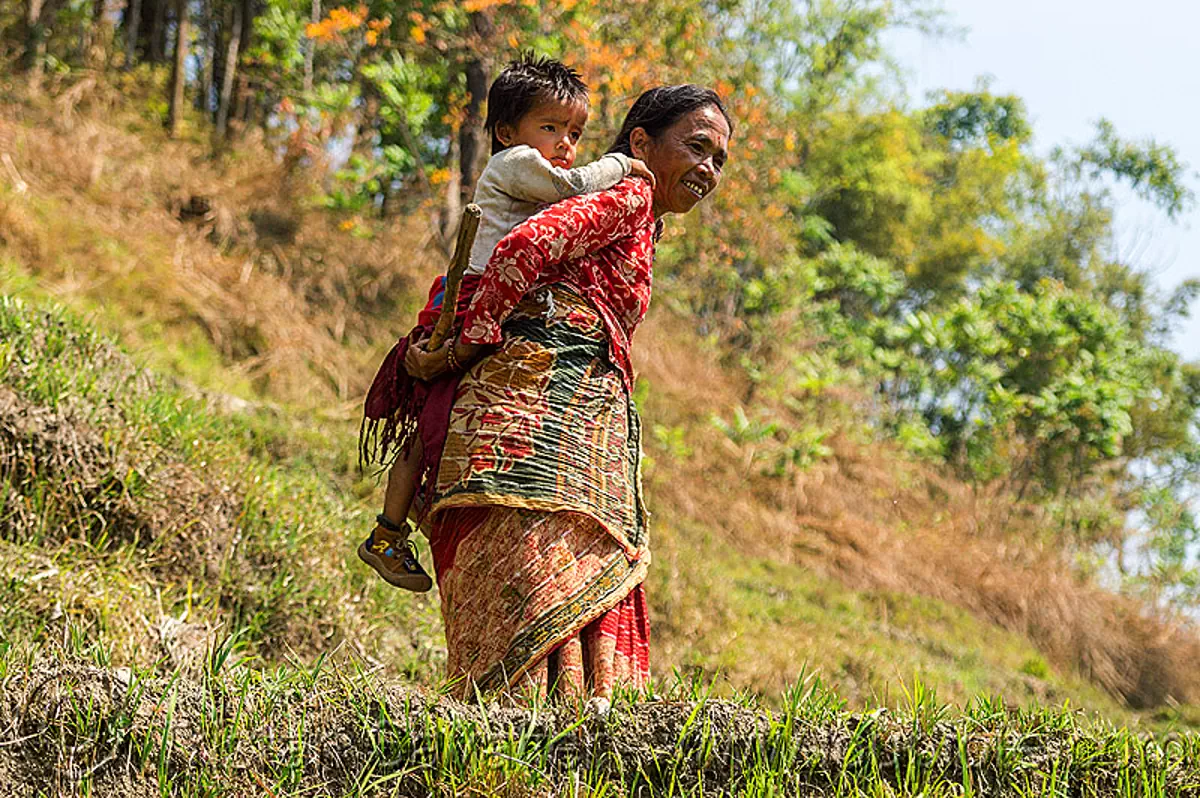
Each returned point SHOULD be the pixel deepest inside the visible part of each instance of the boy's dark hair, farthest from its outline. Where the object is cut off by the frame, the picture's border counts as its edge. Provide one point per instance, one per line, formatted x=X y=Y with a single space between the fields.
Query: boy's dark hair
x=660 y=107
x=523 y=83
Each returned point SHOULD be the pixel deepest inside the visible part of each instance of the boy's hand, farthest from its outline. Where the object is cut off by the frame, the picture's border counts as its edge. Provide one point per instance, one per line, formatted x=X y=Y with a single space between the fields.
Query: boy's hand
x=638 y=168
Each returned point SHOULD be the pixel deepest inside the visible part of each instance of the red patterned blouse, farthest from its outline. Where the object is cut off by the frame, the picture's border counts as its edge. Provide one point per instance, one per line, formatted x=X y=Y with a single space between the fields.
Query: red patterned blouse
x=601 y=245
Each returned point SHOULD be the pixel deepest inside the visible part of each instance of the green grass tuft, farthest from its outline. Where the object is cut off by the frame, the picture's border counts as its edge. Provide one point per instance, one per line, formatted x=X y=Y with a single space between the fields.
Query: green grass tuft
x=334 y=728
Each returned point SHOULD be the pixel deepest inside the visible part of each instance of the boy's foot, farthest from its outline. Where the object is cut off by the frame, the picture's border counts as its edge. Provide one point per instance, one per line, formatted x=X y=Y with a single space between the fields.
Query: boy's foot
x=396 y=562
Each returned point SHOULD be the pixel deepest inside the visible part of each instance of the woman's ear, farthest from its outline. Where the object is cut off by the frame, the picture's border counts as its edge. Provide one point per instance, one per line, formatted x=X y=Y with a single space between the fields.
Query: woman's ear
x=505 y=133
x=639 y=140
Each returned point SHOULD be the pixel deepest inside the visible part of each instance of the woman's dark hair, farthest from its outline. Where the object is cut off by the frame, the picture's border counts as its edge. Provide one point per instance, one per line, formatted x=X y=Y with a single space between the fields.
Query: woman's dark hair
x=525 y=82
x=659 y=108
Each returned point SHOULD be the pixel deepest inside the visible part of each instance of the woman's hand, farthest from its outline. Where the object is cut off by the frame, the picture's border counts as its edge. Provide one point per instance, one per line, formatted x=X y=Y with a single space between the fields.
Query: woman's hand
x=638 y=168
x=426 y=365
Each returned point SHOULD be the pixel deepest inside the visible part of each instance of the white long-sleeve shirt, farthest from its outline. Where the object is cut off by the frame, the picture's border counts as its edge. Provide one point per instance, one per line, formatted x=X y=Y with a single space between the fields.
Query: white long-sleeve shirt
x=517 y=182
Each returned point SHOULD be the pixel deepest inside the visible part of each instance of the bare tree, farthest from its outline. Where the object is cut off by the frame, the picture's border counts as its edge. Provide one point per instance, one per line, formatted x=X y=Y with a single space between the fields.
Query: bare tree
x=229 y=72
x=179 y=71
x=470 y=135
x=157 y=51
x=37 y=12
x=311 y=50
x=207 y=42
x=133 y=22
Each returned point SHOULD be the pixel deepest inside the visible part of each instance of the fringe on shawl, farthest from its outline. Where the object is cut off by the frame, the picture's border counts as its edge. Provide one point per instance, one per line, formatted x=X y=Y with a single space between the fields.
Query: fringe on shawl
x=398 y=407
x=390 y=413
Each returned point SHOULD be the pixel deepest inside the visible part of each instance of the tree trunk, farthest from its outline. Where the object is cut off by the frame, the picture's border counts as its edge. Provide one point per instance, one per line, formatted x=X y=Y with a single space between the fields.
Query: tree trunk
x=179 y=72
x=96 y=37
x=207 y=43
x=368 y=114
x=310 y=50
x=222 y=22
x=245 y=94
x=244 y=103
x=470 y=135
x=133 y=21
x=452 y=211
x=158 y=33
x=145 y=40
x=108 y=41
x=228 y=73
x=36 y=12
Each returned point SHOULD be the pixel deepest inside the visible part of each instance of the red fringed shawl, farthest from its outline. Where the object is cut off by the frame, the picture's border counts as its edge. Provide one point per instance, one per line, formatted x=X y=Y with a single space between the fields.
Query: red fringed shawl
x=398 y=406
x=601 y=245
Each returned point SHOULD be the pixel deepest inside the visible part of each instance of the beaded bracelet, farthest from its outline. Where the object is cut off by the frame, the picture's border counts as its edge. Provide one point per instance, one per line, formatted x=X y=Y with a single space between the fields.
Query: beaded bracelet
x=452 y=359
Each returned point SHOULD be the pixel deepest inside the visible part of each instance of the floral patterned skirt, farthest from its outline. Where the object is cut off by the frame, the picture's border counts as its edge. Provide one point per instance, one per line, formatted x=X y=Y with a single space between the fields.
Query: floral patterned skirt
x=539 y=602
x=537 y=523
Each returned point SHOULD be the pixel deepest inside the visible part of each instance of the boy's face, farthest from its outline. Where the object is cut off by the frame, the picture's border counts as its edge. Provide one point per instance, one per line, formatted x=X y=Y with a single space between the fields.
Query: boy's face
x=552 y=128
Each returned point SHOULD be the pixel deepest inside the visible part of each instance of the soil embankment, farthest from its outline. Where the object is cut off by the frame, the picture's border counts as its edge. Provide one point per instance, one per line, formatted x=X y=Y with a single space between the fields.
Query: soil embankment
x=339 y=731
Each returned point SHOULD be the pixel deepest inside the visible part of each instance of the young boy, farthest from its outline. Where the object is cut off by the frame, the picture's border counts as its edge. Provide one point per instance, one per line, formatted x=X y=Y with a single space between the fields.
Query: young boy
x=537 y=110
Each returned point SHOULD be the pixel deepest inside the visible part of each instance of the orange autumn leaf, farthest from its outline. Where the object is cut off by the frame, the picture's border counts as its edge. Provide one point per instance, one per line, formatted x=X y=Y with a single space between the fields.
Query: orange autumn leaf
x=472 y=6
x=340 y=19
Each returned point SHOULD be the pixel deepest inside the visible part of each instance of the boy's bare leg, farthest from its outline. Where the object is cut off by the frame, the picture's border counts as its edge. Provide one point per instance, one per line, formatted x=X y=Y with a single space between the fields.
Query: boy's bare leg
x=388 y=550
x=401 y=488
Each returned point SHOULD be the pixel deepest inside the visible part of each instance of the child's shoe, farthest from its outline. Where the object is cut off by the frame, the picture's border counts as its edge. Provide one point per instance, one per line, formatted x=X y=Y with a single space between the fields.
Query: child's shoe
x=396 y=562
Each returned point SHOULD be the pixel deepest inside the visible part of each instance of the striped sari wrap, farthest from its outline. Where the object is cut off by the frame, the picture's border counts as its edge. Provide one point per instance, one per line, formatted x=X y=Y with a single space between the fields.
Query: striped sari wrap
x=537 y=523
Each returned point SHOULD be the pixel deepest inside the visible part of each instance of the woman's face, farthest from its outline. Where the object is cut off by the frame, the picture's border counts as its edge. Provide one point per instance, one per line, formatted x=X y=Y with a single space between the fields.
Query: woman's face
x=686 y=158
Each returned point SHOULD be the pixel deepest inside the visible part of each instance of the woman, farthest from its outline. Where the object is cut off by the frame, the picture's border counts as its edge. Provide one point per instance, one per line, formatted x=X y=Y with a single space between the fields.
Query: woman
x=537 y=524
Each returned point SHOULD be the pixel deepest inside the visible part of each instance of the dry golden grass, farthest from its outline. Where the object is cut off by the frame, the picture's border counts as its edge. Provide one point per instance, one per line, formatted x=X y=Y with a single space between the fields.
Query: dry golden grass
x=874 y=519
x=297 y=305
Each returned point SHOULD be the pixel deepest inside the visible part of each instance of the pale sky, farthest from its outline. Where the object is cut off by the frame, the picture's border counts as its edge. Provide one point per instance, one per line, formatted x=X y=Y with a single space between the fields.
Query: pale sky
x=1073 y=62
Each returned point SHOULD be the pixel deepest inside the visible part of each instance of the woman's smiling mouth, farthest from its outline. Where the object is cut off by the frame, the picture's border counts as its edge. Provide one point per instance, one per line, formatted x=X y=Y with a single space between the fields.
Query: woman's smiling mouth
x=696 y=188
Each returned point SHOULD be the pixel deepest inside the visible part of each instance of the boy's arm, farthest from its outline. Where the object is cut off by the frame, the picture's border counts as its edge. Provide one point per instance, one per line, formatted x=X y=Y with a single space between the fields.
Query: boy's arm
x=526 y=175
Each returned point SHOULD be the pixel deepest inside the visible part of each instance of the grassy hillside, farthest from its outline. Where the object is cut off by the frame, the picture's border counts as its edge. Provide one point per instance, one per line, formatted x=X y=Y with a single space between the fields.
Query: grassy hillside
x=142 y=517
x=178 y=405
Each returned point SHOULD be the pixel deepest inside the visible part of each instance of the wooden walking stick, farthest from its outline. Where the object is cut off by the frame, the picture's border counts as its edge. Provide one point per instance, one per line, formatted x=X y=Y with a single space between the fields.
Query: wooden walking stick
x=458 y=265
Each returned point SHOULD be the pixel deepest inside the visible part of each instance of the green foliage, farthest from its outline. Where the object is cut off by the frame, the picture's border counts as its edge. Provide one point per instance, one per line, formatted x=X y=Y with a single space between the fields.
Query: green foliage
x=781 y=451
x=1056 y=368
x=1035 y=667
x=673 y=440
x=276 y=47
x=978 y=119
x=1153 y=170
x=355 y=184
x=1170 y=575
x=741 y=430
